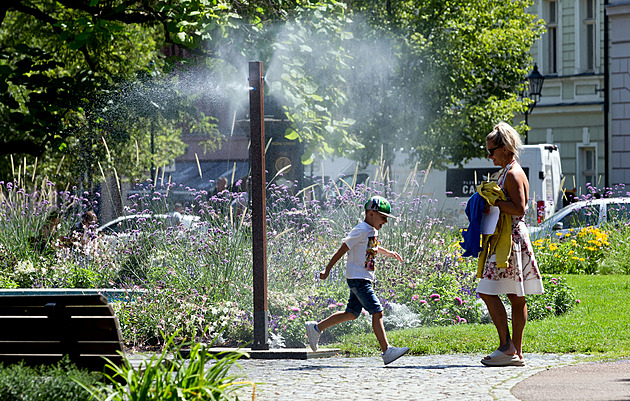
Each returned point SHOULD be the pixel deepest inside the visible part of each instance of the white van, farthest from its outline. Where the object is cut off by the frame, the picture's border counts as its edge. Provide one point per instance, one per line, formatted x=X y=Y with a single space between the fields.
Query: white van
x=545 y=178
x=454 y=186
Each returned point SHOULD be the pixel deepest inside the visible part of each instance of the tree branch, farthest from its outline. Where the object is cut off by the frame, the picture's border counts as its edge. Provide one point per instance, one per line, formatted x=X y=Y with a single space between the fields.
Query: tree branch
x=21 y=146
x=128 y=15
x=37 y=14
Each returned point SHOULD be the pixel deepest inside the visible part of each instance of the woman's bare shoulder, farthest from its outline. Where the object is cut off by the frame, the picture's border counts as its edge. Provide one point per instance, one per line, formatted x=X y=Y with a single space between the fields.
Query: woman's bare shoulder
x=517 y=173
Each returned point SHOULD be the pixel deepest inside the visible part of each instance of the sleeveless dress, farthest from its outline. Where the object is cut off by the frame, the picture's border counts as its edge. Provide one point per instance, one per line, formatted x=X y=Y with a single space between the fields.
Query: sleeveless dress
x=522 y=276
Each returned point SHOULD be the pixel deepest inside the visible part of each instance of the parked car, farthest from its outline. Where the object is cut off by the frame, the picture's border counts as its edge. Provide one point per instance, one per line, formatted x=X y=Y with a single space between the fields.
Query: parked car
x=135 y=221
x=124 y=227
x=591 y=213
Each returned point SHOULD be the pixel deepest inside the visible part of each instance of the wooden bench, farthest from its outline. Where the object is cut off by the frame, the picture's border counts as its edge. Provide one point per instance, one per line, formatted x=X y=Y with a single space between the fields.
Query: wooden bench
x=41 y=329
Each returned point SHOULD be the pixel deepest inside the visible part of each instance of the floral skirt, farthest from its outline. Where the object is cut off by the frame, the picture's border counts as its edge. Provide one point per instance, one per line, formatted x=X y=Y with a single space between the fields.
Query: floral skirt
x=522 y=276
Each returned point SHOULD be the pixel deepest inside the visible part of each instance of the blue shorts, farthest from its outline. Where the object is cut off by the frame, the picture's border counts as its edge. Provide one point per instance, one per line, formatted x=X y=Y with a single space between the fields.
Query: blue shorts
x=362 y=296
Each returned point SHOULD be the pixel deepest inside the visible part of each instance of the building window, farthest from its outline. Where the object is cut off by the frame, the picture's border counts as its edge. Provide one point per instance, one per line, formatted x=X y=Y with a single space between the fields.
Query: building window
x=551 y=42
x=589 y=33
x=588 y=166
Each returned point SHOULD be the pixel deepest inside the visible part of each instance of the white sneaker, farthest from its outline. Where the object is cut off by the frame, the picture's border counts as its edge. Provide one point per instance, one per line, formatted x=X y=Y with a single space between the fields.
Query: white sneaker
x=313 y=334
x=393 y=353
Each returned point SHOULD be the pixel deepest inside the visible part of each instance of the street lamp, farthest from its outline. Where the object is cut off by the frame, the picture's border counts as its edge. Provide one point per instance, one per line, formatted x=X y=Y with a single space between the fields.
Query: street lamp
x=535 y=82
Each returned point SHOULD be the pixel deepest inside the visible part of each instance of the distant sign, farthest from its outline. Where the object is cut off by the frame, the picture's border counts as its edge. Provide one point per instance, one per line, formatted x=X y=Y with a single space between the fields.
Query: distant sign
x=461 y=182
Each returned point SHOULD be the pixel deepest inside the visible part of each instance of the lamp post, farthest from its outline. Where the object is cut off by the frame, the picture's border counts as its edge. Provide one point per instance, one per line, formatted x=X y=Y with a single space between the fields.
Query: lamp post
x=535 y=82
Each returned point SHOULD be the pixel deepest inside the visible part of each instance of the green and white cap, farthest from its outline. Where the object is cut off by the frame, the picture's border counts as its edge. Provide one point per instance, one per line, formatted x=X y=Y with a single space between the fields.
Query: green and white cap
x=379 y=204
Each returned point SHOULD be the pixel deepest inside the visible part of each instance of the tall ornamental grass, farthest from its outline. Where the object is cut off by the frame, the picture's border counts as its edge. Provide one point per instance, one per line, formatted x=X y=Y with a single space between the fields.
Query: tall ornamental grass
x=198 y=279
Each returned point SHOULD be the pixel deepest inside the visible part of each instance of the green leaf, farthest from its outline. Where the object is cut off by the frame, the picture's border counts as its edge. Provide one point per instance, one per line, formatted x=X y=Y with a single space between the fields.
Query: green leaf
x=317 y=98
x=292 y=135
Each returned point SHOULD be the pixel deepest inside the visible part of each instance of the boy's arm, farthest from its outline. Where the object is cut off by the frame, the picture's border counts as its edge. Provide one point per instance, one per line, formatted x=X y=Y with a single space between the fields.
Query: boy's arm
x=335 y=258
x=387 y=252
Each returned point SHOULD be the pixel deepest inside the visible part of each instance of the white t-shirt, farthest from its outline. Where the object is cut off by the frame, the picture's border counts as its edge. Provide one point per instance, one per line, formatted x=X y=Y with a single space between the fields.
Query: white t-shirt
x=362 y=243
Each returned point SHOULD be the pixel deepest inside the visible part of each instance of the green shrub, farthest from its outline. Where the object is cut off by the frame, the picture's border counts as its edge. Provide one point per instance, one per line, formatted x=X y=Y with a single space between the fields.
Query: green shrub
x=441 y=298
x=617 y=258
x=46 y=383
x=289 y=311
x=170 y=376
x=557 y=299
x=578 y=252
x=163 y=312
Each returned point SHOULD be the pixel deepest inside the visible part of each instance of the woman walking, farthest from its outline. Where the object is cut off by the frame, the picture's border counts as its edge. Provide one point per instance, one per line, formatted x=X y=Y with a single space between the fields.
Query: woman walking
x=520 y=276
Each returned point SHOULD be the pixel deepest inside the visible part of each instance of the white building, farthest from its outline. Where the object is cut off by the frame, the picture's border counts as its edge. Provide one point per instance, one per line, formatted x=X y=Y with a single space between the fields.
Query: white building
x=582 y=77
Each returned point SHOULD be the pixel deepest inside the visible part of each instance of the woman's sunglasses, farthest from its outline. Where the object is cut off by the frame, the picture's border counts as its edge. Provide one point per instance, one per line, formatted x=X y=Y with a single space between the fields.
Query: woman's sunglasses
x=491 y=150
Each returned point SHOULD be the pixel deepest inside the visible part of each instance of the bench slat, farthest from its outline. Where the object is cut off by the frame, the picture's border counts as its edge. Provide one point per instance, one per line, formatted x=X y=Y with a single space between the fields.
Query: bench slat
x=56 y=347
x=78 y=328
x=35 y=300
x=74 y=310
x=92 y=362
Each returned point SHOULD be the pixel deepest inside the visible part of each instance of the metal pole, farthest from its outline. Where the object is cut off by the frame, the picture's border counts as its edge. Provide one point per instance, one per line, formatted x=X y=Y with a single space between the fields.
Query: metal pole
x=606 y=99
x=259 y=203
x=526 y=126
x=152 y=152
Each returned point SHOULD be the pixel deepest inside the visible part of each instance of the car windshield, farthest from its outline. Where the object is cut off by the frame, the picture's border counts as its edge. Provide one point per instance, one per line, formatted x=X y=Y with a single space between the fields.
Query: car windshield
x=585 y=216
x=574 y=215
x=140 y=222
x=618 y=211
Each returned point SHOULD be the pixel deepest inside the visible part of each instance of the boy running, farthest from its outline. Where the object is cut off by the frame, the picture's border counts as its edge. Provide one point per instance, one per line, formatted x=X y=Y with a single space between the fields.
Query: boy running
x=362 y=247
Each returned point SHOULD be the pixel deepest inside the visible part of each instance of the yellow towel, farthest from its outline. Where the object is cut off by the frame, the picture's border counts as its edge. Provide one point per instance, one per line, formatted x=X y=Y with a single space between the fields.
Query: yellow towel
x=499 y=243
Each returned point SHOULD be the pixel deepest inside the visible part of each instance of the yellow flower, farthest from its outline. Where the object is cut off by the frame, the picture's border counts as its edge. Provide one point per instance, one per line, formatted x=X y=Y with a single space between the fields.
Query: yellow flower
x=582 y=259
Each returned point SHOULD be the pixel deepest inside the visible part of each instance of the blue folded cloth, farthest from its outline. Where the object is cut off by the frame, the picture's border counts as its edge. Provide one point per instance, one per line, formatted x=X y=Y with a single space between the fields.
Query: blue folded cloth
x=472 y=234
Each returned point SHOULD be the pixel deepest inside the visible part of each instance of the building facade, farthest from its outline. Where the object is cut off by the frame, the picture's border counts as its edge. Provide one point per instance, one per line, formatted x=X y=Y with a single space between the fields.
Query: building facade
x=619 y=15
x=570 y=112
x=584 y=57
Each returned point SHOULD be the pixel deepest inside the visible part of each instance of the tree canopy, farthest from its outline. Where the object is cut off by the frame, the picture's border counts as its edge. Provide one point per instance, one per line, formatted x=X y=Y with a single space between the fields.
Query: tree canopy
x=85 y=82
x=441 y=74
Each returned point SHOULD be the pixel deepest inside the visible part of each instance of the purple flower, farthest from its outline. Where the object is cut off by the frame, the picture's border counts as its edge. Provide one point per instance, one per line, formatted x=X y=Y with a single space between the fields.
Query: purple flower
x=415 y=297
x=458 y=301
x=422 y=301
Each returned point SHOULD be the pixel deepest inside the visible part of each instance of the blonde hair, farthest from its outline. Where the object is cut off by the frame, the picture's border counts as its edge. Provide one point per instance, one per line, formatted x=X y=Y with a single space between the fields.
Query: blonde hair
x=504 y=135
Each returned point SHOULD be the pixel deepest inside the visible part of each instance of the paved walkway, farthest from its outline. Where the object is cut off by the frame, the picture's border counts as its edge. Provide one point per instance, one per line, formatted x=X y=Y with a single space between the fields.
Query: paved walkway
x=434 y=377
x=608 y=381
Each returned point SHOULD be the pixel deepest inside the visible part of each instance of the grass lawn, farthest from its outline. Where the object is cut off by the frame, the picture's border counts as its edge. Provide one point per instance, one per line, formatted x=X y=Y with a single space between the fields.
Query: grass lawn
x=599 y=325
